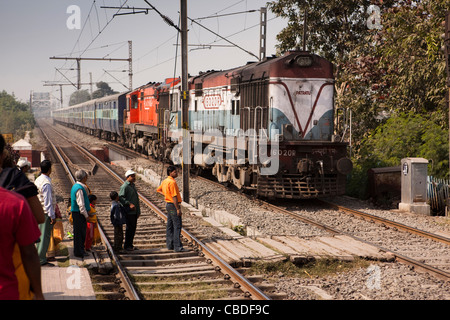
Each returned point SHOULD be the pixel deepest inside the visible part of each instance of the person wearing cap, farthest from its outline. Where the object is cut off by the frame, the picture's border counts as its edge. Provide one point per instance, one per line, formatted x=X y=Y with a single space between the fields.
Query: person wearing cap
x=129 y=198
x=24 y=165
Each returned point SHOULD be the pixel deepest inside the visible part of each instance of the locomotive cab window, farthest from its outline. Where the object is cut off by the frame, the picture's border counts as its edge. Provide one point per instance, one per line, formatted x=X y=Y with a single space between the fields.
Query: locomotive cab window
x=134 y=102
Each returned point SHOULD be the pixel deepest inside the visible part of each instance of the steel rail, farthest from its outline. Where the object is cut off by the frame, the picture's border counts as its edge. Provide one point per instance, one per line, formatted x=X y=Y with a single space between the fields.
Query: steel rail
x=441 y=274
x=235 y=276
x=132 y=294
x=399 y=257
x=251 y=290
x=275 y=208
x=391 y=223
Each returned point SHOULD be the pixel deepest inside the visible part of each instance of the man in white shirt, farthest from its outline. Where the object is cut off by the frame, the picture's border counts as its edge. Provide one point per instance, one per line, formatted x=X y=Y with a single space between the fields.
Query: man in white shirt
x=47 y=197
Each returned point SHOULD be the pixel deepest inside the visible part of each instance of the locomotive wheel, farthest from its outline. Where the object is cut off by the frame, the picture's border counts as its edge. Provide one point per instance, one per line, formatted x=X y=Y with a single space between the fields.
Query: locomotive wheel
x=235 y=177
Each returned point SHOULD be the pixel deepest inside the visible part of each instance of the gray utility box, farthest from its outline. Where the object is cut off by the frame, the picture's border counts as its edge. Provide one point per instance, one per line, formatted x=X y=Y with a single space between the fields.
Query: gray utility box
x=414 y=173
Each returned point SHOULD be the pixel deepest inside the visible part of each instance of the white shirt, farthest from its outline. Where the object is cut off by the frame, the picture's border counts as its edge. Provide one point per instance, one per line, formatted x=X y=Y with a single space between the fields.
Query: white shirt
x=80 y=200
x=46 y=196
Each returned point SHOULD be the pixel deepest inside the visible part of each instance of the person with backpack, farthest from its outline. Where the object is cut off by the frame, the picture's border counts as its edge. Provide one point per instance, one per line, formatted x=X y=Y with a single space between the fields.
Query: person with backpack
x=118 y=219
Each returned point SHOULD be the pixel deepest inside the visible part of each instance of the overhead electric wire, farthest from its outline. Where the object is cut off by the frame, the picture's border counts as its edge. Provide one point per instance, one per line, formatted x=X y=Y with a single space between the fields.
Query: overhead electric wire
x=170 y=59
x=225 y=15
x=100 y=31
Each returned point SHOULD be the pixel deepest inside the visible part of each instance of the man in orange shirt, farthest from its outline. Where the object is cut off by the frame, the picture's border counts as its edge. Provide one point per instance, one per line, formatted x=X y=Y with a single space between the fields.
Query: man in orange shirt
x=169 y=189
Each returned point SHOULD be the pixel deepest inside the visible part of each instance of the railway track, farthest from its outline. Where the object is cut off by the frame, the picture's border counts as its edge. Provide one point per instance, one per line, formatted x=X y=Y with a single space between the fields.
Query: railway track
x=410 y=249
x=418 y=248
x=153 y=272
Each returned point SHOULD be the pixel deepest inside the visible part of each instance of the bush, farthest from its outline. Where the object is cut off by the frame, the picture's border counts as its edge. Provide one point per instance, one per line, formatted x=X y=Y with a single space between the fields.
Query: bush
x=404 y=135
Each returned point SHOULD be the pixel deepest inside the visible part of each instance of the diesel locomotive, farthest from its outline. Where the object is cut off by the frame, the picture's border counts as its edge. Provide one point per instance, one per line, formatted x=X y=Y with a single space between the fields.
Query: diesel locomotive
x=266 y=127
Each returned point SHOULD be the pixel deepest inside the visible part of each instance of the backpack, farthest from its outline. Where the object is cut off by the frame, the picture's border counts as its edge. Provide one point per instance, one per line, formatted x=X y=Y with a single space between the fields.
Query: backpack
x=119 y=217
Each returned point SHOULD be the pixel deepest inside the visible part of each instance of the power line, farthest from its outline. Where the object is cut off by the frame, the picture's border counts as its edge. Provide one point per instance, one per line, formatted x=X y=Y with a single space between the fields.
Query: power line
x=100 y=31
x=209 y=44
x=223 y=38
x=164 y=17
x=226 y=14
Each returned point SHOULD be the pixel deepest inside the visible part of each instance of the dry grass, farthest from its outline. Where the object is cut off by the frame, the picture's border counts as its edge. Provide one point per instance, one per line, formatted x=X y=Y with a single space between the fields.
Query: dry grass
x=311 y=269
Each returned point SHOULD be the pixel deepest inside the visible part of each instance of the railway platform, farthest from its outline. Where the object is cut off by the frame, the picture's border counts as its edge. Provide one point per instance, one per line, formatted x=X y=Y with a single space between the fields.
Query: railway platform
x=67 y=283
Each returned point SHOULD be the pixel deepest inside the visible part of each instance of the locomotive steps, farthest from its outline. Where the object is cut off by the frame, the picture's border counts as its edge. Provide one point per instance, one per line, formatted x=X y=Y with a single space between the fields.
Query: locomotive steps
x=241 y=250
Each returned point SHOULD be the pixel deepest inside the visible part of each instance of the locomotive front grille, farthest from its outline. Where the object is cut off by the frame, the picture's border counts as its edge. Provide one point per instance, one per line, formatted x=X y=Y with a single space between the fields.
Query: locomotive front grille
x=296 y=187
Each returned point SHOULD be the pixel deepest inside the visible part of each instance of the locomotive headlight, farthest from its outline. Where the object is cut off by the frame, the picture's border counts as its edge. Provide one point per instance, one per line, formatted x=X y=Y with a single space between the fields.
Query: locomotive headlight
x=344 y=166
x=303 y=61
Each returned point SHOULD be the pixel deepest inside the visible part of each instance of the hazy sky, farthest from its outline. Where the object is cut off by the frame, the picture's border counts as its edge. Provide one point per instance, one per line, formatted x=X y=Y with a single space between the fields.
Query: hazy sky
x=33 y=31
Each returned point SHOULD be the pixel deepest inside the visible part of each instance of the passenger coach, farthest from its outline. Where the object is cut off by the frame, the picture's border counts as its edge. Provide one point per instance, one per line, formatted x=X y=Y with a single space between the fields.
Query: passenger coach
x=101 y=117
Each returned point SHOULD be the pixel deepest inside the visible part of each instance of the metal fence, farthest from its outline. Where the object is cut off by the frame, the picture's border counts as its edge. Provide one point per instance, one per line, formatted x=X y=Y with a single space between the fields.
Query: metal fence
x=437 y=193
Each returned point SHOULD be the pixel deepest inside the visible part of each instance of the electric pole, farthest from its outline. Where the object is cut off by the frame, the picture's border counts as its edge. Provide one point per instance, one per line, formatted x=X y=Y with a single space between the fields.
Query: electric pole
x=185 y=101
x=130 y=68
x=61 y=89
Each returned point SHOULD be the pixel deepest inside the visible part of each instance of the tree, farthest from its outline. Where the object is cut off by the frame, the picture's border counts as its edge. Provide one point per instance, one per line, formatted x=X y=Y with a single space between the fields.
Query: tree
x=103 y=90
x=79 y=96
x=401 y=136
x=392 y=78
x=16 y=116
x=399 y=68
x=338 y=31
x=333 y=27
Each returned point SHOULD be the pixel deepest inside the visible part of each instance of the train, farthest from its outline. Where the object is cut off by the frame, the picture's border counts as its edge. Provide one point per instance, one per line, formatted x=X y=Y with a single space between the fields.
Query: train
x=266 y=127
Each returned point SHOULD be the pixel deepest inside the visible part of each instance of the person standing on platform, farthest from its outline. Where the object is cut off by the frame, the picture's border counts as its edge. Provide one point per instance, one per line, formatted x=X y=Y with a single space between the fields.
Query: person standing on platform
x=11 y=178
x=18 y=225
x=18 y=228
x=47 y=197
x=130 y=199
x=80 y=207
x=172 y=196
